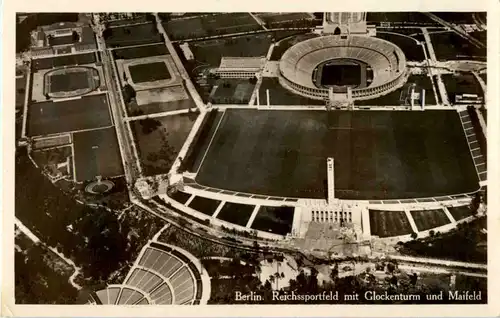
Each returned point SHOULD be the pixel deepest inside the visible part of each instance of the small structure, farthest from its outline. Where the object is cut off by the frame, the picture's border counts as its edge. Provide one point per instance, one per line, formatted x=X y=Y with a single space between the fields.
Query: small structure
x=188 y=54
x=240 y=67
x=64 y=37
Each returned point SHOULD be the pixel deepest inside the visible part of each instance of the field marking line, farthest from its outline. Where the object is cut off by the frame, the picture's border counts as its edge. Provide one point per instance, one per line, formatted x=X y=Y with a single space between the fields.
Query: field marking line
x=411 y=220
x=73 y=159
x=477 y=156
x=480 y=164
x=475 y=149
x=466 y=122
x=210 y=143
x=191 y=198
x=216 y=213
x=252 y=216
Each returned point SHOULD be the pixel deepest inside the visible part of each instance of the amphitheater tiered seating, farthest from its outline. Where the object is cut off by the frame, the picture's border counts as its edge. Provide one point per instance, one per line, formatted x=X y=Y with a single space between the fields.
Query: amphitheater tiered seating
x=162 y=275
x=129 y=296
x=113 y=293
x=162 y=295
x=143 y=280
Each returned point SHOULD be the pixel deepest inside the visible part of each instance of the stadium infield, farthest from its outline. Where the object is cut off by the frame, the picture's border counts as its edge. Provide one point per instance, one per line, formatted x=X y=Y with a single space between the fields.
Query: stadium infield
x=97 y=154
x=88 y=112
x=378 y=154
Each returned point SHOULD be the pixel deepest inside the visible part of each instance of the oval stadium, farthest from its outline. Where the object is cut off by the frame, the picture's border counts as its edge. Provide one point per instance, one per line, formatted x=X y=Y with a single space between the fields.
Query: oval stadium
x=370 y=67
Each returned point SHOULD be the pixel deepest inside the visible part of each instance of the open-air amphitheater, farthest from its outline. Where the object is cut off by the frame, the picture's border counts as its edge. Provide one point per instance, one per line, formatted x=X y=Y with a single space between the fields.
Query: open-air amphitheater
x=162 y=275
x=385 y=59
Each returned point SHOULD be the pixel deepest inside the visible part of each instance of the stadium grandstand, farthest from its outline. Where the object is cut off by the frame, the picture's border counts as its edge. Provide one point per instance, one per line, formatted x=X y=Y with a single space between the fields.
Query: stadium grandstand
x=162 y=275
x=240 y=67
x=299 y=63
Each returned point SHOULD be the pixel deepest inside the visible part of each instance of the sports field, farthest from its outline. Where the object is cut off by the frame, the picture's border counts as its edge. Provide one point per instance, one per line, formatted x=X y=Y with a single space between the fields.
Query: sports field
x=87 y=112
x=69 y=82
x=158 y=148
x=149 y=72
x=429 y=219
x=451 y=46
x=273 y=219
x=63 y=60
x=97 y=154
x=378 y=155
x=236 y=213
x=210 y=25
x=132 y=35
x=461 y=212
x=389 y=223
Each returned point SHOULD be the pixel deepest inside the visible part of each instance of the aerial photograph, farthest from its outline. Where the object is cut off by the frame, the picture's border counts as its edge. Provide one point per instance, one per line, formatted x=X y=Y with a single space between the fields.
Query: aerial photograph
x=208 y=158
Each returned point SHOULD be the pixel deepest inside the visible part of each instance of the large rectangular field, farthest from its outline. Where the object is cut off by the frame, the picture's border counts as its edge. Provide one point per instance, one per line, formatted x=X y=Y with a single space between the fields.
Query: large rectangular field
x=429 y=219
x=389 y=223
x=132 y=35
x=69 y=82
x=63 y=60
x=210 y=25
x=97 y=154
x=88 y=112
x=159 y=147
x=378 y=154
x=277 y=220
x=149 y=72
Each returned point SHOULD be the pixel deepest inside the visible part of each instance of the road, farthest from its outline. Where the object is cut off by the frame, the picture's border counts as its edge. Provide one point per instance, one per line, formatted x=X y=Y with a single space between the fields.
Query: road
x=432 y=55
x=180 y=67
x=36 y=240
x=128 y=159
x=457 y=29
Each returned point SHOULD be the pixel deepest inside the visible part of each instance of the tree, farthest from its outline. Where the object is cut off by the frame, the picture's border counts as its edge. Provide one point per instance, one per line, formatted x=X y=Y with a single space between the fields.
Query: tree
x=431 y=233
x=414 y=235
x=75 y=37
x=334 y=274
x=252 y=80
x=391 y=267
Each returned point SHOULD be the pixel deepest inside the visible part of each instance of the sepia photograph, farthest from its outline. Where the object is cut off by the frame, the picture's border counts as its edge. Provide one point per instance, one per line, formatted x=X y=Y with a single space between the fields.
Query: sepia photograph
x=250 y=158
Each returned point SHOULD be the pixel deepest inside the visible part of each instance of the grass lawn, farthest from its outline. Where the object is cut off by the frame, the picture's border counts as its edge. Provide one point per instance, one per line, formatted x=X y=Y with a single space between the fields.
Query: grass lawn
x=232 y=91
x=63 y=60
x=429 y=219
x=389 y=223
x=236 y=213
x=132 y=35
x=88 y=112
x=140 y=52
x=204 y=205
x=277 y=220
x=211 y=51
x=278 y=95
x=211 y=24
x=69 y=82
x=149 y=72
x=466 y=243
x=398 y=97
x=180 y=197
x=378 y=155
x=451 y=46
x=461 y=84
x=97 y=154
x=412 y=50
x=461 y=212
x=158 y=149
